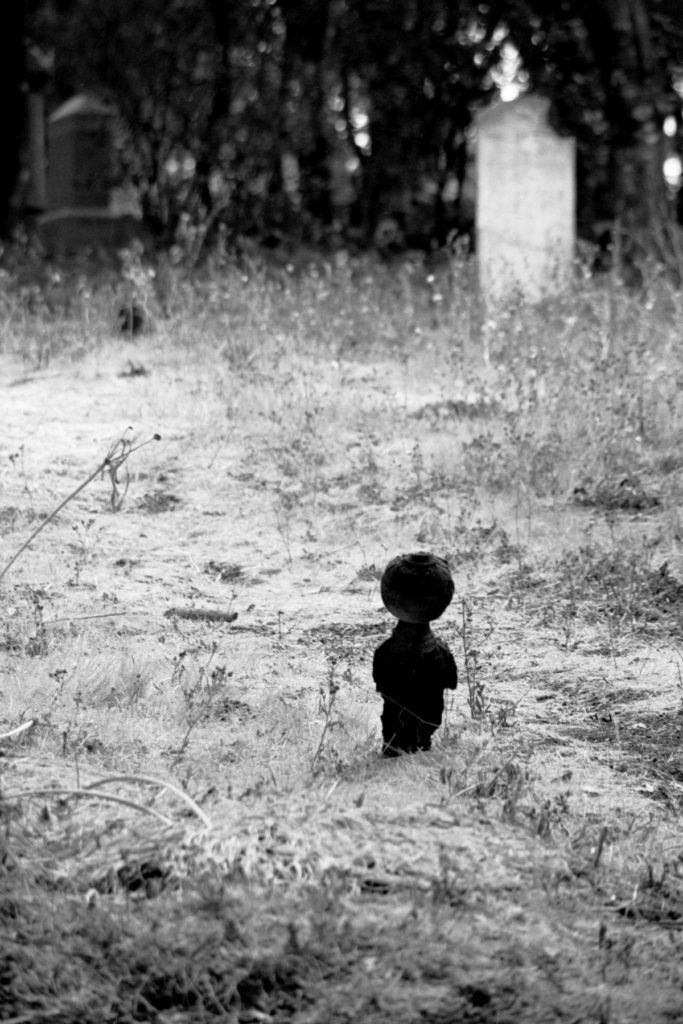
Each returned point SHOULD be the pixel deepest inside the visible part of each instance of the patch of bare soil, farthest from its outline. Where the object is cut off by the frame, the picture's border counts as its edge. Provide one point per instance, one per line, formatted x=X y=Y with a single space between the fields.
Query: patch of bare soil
x=649 y=745
x=198 y=826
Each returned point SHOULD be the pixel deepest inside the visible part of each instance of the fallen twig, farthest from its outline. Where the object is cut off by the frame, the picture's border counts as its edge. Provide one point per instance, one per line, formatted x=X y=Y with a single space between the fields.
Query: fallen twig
x=205 y=614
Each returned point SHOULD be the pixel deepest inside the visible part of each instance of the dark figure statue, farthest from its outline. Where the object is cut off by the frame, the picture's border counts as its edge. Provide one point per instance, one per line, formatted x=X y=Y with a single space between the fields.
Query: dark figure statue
x=413 y=667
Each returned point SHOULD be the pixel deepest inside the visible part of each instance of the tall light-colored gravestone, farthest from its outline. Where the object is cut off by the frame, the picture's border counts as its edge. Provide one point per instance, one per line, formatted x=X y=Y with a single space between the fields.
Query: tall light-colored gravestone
x=526 y=202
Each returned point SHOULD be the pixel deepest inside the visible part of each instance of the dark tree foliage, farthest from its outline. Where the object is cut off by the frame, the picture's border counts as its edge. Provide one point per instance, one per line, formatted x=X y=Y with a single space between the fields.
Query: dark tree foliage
x=194 y=85
x=315 y=118
x=420 y=70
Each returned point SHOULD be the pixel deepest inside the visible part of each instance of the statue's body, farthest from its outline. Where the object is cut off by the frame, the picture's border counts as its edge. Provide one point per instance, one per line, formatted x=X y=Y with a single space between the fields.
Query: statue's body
x=413 y=667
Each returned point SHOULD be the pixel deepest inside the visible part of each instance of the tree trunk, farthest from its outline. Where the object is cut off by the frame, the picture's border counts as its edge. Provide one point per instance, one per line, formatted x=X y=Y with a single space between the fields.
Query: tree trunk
x=306 y=58
x=636 y=90
x=216 y=124
x=11 y=106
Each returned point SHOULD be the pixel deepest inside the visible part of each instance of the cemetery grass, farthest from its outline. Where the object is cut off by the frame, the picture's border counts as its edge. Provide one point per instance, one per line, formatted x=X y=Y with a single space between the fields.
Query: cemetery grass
x=196 y=822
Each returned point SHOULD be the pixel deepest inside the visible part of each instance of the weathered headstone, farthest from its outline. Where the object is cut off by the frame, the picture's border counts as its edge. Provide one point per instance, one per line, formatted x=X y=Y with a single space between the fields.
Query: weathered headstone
x=81 y=193
x=526 y=202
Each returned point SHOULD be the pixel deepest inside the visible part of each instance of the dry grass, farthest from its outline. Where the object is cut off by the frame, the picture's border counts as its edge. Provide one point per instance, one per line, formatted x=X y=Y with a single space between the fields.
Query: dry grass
x=314 y=424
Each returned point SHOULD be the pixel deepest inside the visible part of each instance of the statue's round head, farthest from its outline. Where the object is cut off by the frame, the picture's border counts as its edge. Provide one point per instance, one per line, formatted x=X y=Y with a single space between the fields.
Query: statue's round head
x=417 y=588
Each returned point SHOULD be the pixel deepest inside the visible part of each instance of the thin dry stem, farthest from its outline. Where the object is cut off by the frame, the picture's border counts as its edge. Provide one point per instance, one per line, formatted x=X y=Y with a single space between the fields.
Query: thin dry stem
x=149 y=781
x=85 y=794
x=19 y=729
x=115 y=458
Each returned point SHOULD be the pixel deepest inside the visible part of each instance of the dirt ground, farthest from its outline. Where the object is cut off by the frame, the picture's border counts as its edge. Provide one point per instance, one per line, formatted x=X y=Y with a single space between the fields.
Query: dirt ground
x=530 y=868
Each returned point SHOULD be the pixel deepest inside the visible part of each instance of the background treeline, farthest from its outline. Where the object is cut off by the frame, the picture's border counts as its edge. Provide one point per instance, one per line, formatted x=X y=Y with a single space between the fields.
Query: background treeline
x=317 y=119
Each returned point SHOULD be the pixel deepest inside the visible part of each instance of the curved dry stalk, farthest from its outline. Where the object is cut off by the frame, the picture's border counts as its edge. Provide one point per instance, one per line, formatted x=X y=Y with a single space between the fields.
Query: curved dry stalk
x=88 y=794
x=19 y=729
x=148 y=780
